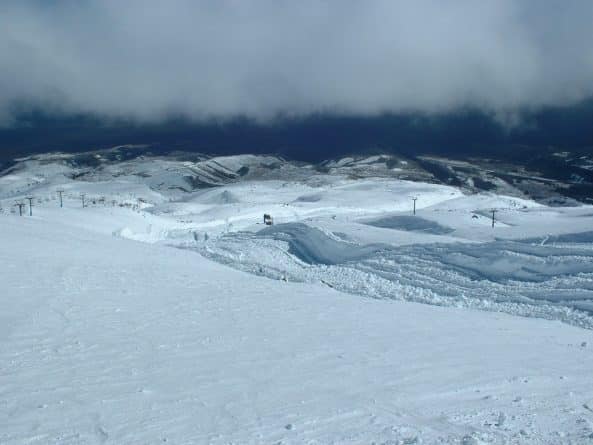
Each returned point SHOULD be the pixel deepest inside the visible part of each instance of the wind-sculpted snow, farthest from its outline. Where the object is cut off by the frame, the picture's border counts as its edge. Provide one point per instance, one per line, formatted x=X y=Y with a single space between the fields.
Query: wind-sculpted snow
x=313 y=246
x=519 y=277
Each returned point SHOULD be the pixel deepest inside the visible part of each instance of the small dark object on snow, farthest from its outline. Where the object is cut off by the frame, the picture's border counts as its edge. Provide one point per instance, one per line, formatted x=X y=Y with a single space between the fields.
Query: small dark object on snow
x=268 y=220
x=475 y=216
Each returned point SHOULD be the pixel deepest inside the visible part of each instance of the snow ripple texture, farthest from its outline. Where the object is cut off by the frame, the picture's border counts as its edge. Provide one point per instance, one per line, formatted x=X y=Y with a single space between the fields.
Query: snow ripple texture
x=548 y=278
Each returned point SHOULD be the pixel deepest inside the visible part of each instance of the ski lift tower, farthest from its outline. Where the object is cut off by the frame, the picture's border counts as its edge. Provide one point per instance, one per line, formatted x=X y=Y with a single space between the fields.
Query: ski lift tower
x=30 y=199
x=20 y=205
x=59 y=192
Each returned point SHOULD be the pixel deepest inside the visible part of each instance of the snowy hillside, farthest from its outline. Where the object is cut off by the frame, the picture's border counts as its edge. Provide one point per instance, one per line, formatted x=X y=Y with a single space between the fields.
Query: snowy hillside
x=164 y=310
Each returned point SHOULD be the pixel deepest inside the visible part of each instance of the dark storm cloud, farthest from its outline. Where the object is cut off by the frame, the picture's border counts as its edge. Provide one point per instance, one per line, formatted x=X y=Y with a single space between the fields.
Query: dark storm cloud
x=148 y=59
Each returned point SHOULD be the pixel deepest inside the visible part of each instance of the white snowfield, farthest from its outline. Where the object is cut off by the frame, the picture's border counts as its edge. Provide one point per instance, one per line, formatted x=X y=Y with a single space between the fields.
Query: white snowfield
x=118 y=327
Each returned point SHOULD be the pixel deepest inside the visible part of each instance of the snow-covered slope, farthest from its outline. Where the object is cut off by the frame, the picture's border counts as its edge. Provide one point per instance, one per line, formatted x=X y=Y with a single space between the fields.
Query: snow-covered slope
x=105 y=340
x=154 y=314
x=355 y=234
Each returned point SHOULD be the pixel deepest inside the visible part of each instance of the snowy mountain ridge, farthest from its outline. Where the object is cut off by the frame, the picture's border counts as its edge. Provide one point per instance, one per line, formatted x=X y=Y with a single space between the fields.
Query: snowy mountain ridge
x=547 y=176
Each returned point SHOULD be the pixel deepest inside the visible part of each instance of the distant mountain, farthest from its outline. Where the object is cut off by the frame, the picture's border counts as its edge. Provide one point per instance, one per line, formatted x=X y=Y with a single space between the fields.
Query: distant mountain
x=547 y=176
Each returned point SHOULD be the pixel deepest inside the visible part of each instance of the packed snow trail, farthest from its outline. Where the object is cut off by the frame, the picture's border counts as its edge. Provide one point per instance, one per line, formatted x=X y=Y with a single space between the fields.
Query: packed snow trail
x=111 y=341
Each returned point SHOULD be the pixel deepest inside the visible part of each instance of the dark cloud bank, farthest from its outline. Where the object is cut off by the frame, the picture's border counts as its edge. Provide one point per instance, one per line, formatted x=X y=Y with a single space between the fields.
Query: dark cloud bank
x=281 y=74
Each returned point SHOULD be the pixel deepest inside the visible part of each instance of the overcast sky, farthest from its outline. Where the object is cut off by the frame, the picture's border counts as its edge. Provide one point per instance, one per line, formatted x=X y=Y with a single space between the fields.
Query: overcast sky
x=147 y=59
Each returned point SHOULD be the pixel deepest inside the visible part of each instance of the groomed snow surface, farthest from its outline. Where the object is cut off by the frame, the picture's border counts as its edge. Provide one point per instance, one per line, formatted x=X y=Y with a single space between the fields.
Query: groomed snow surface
x=118 y=327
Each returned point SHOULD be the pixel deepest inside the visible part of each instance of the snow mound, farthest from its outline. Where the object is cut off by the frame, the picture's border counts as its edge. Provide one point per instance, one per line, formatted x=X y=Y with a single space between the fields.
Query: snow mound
x=518 y=277
x=313 y=246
